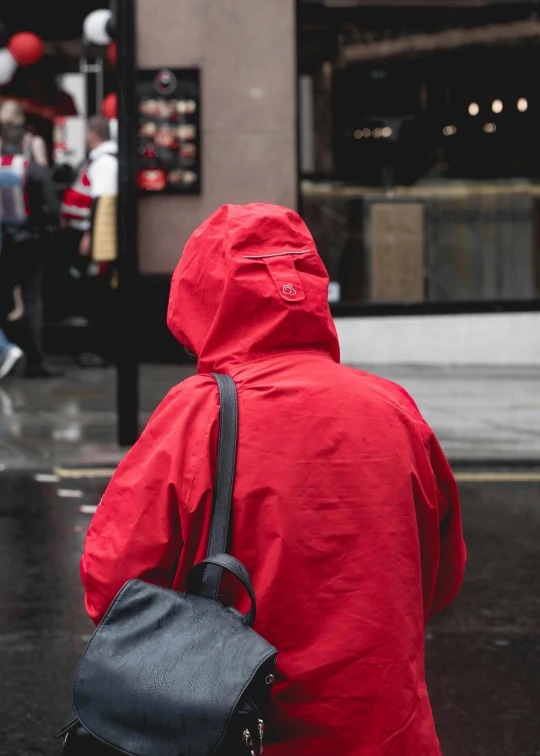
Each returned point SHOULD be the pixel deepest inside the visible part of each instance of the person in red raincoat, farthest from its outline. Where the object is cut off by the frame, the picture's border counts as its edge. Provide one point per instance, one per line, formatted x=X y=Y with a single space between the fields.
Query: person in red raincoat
x=345 y=510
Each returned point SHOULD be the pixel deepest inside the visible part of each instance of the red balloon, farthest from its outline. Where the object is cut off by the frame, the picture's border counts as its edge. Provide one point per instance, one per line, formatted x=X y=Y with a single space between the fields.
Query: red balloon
x=109 y=106
x=112 y=53
x=26 y=48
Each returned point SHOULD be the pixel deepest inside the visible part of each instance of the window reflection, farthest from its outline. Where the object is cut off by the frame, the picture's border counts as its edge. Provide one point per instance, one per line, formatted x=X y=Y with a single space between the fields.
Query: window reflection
x=436 y=111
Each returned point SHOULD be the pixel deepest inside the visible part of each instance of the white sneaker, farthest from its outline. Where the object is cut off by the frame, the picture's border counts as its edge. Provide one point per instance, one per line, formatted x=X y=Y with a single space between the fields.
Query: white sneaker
x=10 y=360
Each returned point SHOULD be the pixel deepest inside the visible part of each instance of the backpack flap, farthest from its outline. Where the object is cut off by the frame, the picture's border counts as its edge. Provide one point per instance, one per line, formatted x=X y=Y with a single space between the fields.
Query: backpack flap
x=167 y=673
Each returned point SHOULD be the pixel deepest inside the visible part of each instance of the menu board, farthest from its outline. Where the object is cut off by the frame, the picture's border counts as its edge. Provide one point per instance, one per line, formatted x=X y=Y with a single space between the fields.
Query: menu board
x=169 y=159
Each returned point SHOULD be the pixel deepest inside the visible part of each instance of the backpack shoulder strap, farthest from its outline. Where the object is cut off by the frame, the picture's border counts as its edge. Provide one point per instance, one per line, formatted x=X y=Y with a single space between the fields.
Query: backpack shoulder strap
x=218 y=541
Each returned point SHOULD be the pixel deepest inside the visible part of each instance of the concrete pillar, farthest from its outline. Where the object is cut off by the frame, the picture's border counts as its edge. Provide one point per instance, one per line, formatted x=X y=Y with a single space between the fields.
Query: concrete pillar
x=246 y=52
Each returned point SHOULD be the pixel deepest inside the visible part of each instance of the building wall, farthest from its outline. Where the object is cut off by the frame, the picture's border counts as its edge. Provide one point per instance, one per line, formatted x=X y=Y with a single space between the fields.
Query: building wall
x=246 y=52
x=490 y=339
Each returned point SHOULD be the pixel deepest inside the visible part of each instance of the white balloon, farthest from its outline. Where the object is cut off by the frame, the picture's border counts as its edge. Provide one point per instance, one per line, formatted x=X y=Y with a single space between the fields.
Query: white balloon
x=94 y=27
x=8 y=66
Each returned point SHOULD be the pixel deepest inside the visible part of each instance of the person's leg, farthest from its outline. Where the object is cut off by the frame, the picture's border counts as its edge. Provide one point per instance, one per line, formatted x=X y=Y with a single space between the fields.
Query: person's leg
x=4 y=345
x=9 y=274
x=10 y=354
x=31 y=286
x=18 y=306
x=105 y=321
x=101 y=325
x=31 y=283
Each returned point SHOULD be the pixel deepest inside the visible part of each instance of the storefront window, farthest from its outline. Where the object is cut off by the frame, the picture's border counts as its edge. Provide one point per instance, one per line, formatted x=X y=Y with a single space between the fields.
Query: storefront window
x=419 y=150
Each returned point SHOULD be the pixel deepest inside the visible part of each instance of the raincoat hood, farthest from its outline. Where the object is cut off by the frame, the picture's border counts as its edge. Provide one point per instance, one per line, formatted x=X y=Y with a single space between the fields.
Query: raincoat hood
x=250 y=283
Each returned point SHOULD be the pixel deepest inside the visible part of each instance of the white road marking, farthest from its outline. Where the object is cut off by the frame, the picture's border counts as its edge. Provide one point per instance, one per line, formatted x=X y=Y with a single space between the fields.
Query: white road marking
x=46 y=478
x=87 y=509
x=68 y=493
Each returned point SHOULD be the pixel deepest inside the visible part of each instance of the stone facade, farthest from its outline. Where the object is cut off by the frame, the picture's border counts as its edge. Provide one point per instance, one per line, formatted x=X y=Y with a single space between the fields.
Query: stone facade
x=246 y=52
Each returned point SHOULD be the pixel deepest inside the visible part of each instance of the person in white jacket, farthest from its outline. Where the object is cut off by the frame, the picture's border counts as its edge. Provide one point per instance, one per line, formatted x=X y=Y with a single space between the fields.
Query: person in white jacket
x=103 y=166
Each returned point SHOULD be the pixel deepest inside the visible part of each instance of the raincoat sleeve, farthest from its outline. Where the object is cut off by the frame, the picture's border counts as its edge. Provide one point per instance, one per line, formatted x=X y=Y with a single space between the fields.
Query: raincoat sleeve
x=452 y=546
x=135 y=532
x=452 y=554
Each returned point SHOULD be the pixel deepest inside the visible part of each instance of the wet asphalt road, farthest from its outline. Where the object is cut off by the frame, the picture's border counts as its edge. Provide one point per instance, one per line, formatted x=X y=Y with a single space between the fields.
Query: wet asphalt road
x=483 y=655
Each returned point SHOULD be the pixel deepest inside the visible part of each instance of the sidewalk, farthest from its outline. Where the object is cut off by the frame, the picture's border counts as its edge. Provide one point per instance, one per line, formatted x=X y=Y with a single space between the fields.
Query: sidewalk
x=479 y=414
x=71 y=421
x=482 y=414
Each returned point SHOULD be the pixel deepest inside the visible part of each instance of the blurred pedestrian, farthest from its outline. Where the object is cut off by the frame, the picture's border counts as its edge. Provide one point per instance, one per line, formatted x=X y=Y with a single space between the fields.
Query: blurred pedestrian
x=33 y=146
x=102 y=176
x=345 y=511
x=28 y=204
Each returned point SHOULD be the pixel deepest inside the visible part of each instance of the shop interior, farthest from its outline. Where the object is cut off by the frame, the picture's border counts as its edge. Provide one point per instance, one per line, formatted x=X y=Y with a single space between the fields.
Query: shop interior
x=419 y=162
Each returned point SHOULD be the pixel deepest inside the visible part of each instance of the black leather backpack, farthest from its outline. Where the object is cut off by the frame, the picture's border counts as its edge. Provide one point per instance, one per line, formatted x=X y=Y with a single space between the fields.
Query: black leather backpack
x=172 y=674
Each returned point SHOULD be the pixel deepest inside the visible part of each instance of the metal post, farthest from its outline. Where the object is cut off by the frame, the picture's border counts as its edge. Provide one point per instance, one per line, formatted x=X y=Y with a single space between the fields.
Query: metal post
x=128 y=320
x=89 y=68
x=99 y=83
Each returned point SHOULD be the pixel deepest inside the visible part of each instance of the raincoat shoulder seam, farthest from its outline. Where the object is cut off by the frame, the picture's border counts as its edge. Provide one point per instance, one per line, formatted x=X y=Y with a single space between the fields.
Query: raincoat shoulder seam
x=285 y=352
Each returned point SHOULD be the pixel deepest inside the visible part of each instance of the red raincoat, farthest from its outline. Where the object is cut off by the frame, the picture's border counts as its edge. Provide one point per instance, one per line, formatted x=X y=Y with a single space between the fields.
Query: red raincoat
x=346 y=512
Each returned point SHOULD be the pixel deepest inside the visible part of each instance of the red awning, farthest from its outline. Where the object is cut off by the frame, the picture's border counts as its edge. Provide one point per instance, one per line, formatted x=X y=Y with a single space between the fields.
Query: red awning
x=63 y=105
